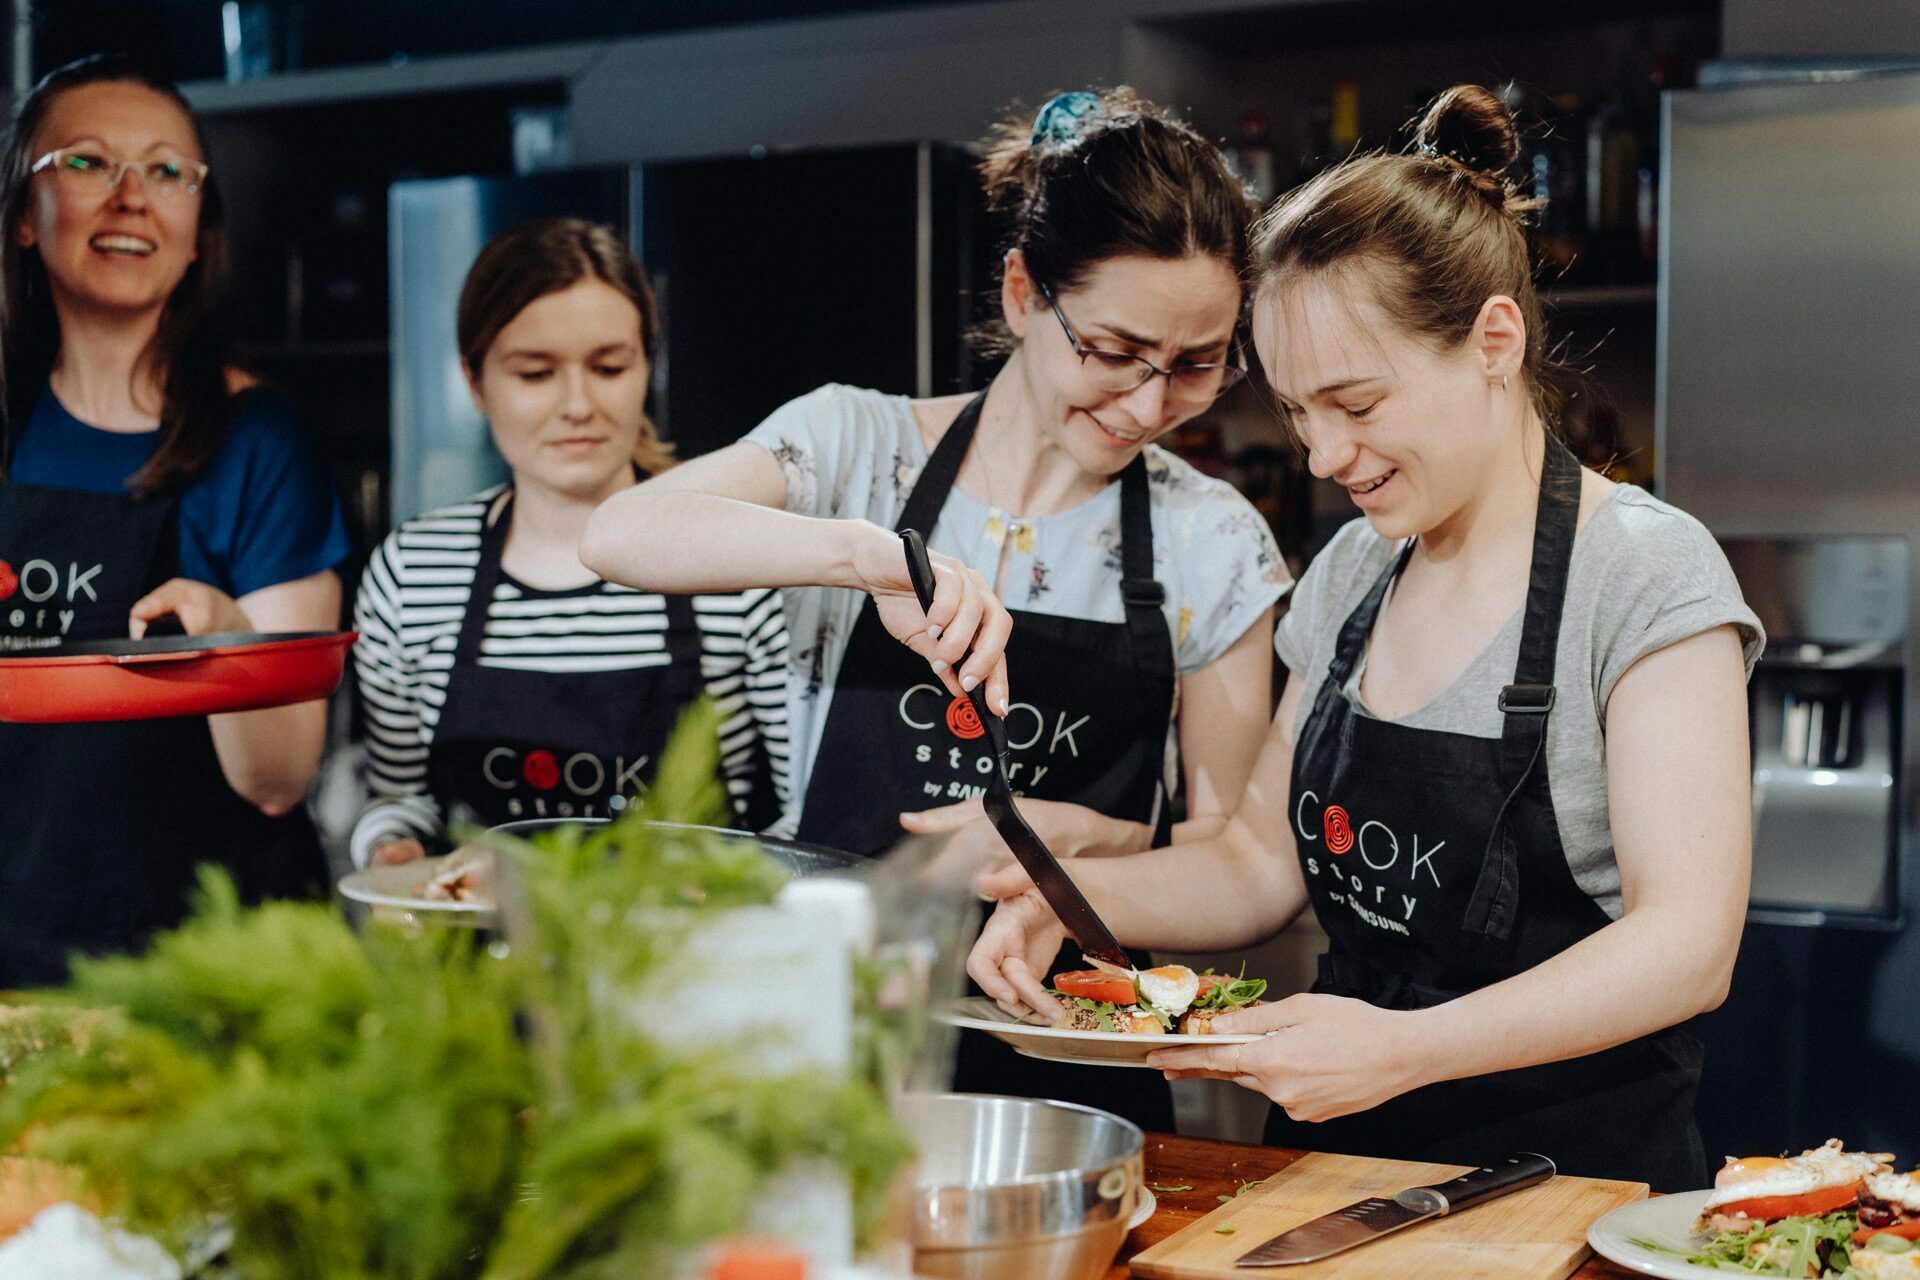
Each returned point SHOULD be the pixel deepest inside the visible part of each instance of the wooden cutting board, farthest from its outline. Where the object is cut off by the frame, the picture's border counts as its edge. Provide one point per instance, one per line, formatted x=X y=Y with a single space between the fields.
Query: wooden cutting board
x=1536 y=1234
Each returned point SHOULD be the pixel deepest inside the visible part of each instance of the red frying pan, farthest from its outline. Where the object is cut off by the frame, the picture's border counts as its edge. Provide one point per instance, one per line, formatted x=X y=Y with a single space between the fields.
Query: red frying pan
x=158 y=676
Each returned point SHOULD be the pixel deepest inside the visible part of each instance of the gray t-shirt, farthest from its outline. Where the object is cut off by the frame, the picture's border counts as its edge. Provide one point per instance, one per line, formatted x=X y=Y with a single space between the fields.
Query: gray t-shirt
x=1644 y=575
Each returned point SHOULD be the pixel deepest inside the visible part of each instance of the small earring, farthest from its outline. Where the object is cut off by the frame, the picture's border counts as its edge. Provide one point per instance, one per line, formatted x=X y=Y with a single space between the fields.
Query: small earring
x=1503 y=382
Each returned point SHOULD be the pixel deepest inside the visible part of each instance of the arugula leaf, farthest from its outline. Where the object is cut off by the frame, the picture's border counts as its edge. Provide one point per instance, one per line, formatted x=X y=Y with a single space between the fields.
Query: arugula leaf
x=1232 y=993
x=1797 y=1247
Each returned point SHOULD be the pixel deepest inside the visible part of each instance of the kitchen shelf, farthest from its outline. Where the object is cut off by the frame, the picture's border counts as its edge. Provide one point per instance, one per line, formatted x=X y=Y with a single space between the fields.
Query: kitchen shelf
x=1601 y=297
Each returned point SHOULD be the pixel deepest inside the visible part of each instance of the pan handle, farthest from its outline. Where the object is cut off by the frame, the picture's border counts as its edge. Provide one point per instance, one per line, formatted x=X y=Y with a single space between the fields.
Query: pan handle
x=182 y=655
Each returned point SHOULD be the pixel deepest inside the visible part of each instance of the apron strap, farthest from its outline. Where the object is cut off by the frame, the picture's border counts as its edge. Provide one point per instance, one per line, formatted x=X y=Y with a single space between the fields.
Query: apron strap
x=1352 y=641
x=1529 y=700
x=935 y=481
x=486 y=579
x=1148 y=642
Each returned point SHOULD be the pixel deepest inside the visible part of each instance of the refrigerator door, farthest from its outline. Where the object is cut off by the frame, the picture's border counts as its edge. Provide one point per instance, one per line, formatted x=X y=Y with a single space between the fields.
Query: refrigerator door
x=440 y=449
x=1790 y=301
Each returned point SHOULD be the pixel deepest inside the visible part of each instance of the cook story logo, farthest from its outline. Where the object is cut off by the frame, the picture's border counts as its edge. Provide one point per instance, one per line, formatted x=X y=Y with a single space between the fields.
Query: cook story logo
x=544 y=784
x=1380 y=876
x=38 y=599
x=958 y=773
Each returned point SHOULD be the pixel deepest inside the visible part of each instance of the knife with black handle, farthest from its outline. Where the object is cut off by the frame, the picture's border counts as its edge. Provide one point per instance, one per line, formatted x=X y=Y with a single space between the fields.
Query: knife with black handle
x=1382 y=1215
x=1054 y=884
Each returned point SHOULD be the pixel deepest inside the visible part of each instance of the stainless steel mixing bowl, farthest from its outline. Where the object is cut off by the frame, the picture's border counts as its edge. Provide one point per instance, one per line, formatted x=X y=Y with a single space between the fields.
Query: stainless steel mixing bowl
x=1018 y=1187
x=800 y=859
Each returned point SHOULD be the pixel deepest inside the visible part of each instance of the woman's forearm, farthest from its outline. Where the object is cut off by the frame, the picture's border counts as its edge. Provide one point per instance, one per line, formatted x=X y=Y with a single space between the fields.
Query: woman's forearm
x=684 y=541
x=1652 y=969
x=269 y=757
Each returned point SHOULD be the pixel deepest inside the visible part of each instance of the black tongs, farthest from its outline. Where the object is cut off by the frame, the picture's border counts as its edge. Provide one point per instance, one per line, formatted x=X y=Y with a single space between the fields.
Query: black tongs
x=1054 y=884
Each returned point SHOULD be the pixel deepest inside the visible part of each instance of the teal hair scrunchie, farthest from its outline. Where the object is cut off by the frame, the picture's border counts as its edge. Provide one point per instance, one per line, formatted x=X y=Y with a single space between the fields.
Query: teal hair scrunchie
x=1064 y=116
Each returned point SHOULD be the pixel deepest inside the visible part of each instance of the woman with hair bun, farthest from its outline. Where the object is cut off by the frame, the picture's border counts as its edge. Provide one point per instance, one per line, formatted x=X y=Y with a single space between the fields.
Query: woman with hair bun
x=1138 y=591
x=502 y=680
x=1509 y=771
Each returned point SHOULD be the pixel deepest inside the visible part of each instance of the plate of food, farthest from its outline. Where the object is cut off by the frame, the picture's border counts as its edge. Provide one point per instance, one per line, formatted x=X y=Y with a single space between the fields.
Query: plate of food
x=460 y=883
x=1824 y=1212
x=1115 y=1017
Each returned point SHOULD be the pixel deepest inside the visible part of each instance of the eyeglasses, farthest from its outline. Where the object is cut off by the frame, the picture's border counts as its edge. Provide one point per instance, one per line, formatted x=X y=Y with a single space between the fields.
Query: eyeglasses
x=171 y=176
x=1117 y=373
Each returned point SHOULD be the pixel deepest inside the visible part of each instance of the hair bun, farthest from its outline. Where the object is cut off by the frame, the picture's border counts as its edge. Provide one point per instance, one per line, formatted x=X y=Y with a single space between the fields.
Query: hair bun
x=1470 y=127
x=1064 y=117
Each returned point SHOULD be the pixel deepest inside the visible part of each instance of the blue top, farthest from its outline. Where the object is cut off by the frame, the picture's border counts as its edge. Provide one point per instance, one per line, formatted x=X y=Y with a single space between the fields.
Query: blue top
x=263 y=511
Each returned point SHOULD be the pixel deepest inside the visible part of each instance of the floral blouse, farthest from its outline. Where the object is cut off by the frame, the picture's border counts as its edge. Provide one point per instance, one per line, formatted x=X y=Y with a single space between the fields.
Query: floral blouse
x=852 y=453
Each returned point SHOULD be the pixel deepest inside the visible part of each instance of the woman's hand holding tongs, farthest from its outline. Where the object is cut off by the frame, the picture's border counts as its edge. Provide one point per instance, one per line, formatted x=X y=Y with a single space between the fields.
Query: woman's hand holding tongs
x=966 y=615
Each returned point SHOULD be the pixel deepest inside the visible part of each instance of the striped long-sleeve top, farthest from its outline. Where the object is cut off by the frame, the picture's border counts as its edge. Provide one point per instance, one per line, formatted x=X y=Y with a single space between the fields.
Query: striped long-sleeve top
x=413 y=599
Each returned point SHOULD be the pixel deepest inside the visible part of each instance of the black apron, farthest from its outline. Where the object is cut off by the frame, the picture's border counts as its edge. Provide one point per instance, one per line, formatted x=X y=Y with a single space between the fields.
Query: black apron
x=1435 y=866
x=1090 y=727
x=515 y=745
x=102 y=825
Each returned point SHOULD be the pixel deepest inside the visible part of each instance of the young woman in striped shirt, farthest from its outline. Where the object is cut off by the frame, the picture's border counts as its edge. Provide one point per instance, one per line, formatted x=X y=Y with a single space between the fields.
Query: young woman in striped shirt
x=500 y=678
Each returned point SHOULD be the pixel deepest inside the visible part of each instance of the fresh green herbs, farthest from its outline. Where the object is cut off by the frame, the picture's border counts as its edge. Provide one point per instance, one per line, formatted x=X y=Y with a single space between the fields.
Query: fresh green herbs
x=1231 y=993
x=1224 y=1229
x=1797 y=1247
x=429 y=1106
x=1170 y=1190
x=1240 y=1190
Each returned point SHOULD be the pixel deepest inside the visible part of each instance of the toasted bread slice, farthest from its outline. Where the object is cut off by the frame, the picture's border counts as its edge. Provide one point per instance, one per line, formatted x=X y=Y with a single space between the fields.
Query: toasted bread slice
x=1199 y=1022
x=1126 y=1021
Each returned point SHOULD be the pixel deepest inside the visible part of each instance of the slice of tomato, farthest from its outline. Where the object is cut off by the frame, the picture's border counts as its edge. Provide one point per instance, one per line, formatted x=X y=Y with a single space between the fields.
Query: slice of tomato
x=1806 y=1204
x=1208 y=981
x=1908 y=1230
x=1091 y=984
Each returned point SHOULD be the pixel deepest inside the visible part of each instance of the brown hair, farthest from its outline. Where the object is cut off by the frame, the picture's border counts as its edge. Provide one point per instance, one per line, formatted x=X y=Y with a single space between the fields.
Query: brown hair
x=1117 y=176
x=188 y=353
x=1435 y=232
x=530 y=261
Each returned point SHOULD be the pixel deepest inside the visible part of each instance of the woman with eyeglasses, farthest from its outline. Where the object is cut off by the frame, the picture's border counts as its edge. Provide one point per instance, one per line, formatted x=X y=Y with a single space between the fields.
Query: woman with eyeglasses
x=141 y=475
x=1138 y=592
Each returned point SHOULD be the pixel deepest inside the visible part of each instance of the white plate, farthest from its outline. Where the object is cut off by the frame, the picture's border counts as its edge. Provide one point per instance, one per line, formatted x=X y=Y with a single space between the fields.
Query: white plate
x=1662 y=1220
x=1144 y=1210
x=1088 y=1048
x=398 y=887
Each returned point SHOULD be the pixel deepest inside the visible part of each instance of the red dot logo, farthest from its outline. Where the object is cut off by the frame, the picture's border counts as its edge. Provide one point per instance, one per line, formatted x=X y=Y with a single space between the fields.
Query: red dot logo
x=963 y=720
x=8 y=580
x=1338 y=829
x=541 y=770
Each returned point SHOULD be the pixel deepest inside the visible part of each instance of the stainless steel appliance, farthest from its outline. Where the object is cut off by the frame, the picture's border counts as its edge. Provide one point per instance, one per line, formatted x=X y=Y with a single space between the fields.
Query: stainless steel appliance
x=1789 y=322
x=774 y=273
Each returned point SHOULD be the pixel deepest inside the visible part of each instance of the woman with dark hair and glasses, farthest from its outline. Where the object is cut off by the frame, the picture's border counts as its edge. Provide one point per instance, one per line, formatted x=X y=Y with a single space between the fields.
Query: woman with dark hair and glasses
x=501 y=679
x=142 y=475
x=1139 y=592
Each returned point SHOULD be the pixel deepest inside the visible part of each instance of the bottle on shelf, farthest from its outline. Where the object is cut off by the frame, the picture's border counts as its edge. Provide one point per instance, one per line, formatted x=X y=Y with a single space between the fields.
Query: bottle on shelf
x=1552 y=170
x=1343 y=125
x=1252 y=158
x=1613 y=189
x=1315 y=123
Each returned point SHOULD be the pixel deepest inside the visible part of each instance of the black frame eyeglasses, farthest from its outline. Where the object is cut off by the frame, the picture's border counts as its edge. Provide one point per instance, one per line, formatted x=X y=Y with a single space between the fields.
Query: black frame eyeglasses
x=1118 y=373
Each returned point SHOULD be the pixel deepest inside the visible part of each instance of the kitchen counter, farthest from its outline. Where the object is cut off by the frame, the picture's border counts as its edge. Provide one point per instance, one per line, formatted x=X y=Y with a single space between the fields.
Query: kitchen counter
x=1217 y=1169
